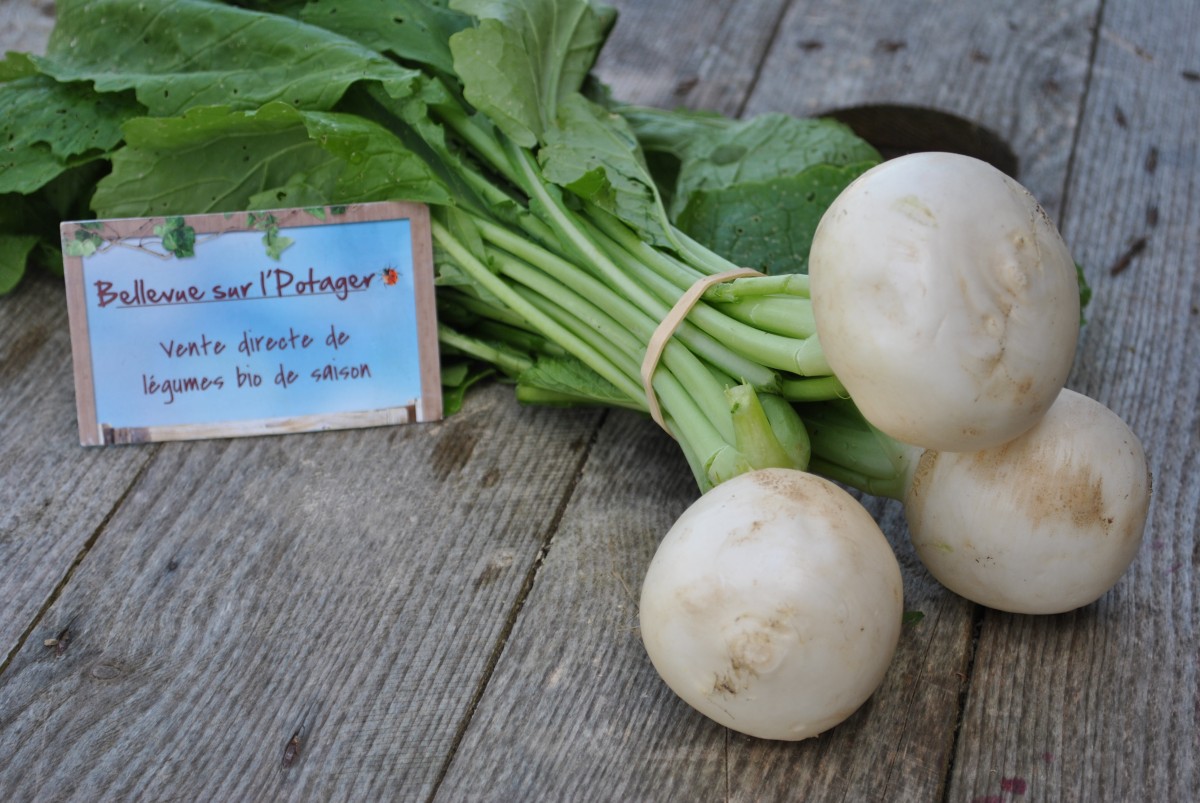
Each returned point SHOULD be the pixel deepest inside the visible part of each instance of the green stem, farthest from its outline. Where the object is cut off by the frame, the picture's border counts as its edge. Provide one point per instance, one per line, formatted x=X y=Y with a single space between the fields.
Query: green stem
x=848 y=449
x=704 y=429
x=507 y=361
x=520 y=339
x=700 y=343
x=680 y=275
x=780 y=352
x=567 y=226
x=813 y=389
x=780 y=315
x=755 y=438
x=783 y=284
x=594 y=359
x=532 y=394
x=462 y=304
x=603 y=330
x=485 y=144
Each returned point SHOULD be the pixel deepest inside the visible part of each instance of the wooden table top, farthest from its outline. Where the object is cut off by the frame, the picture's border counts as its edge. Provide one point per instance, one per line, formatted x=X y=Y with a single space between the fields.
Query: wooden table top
x=449 y=611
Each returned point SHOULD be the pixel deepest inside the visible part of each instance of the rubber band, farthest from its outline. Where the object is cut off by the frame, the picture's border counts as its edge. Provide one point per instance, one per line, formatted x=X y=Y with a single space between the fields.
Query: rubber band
x=666 y=328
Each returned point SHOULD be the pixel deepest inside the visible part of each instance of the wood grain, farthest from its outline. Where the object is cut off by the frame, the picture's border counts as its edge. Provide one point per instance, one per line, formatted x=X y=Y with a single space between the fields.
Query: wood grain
x=575 y=706
x=25 y=25
x=681 y=53
x=54 y=497
x=349 y=588
x=449 y=611
x=1103 y=704
x=1019 y=69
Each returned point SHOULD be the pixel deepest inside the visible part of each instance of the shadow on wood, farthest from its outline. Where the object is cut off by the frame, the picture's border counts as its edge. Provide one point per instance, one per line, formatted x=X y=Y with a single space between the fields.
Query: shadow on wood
x=896 y=130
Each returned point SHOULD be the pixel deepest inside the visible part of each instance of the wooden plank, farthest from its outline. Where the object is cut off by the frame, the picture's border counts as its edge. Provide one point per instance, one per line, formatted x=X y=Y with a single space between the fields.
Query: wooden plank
x=575 y=706
x=1102 y=704
x=54 y=495
x=288 y=617
x=345 y=590
x=240 y=655
x=1016 y=68
x=24 y=25
x=673 y=53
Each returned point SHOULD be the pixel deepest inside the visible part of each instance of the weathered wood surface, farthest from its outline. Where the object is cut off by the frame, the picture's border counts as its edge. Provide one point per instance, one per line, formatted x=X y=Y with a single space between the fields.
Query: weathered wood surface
x=54 y=497
x=1103 y=704
x=449 y=611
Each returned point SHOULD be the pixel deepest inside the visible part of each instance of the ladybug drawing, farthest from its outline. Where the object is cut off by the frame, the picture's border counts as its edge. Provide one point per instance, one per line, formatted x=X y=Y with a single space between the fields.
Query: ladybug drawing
x=390 y=276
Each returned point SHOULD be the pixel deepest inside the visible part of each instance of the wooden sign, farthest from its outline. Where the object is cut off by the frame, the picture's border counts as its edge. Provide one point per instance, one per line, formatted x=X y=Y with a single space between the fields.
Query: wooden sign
x=252 y=323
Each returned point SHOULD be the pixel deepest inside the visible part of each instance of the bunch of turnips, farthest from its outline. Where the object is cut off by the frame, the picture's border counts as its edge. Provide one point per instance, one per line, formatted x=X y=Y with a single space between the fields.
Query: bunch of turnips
x=948 y=305
x=906 y=329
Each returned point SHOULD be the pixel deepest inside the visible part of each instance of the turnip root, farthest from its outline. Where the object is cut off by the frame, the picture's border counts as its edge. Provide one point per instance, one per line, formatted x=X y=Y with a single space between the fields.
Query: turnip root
x=1043 y=524
x=945 y=301
x=773 y=605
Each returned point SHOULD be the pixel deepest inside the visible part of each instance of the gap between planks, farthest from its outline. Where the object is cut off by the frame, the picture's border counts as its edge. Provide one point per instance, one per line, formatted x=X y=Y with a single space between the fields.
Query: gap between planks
x=518 y=604
x=91 y=542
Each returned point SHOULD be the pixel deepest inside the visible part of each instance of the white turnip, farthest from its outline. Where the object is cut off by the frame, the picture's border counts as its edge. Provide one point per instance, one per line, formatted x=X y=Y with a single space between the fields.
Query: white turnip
x=773 y=605
x=945 y=301
x=1045 y=523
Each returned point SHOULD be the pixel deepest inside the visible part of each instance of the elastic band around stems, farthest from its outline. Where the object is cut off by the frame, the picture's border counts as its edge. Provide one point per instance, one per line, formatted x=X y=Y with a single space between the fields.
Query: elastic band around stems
x=666 y=328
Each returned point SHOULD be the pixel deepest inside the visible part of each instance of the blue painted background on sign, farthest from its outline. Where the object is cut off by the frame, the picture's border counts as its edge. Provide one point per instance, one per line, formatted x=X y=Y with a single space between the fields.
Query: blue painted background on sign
x=330 y=327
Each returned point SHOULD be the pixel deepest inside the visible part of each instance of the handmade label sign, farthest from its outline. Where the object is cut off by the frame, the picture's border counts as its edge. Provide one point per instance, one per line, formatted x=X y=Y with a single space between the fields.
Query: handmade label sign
x=252 y=323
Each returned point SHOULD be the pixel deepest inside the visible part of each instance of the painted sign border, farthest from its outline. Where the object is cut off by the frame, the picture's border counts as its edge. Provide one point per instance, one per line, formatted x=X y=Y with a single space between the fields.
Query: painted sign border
x=427 y=407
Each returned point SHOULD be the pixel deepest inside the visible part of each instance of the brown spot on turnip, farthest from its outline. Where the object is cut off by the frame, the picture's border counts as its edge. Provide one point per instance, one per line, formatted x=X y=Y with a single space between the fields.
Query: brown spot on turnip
x=925 y=466
x=1047 y=487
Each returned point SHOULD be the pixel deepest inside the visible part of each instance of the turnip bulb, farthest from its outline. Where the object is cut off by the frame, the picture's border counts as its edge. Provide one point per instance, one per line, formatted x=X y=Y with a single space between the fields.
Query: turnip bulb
x=1043 y=524
x=945 y=301
x=773 y=605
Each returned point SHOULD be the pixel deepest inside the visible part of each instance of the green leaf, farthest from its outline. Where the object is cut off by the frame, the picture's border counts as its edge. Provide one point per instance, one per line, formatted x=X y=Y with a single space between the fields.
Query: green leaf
x=525 y=56
x=16 y=65
x=454 y=373
x=664 y=137
x=754 y=190
x=457 y=379
x=47 y=127
x=765 y=147
x=593 y=153
x=83 y=244
x=14 y=257
x=672 y=132
x=212 y=159
x=179 y=54
x=273 y=241
x=275 y=244
x=216 y=159
x=767 y=225
x=570 y=377
x=377 y=164
x=412 y=30
x=37 y=215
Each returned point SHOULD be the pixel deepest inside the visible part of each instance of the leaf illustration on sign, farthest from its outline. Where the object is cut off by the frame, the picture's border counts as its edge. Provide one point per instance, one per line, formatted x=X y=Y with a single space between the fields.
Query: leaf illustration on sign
x=177 y=237
x=273 y=241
